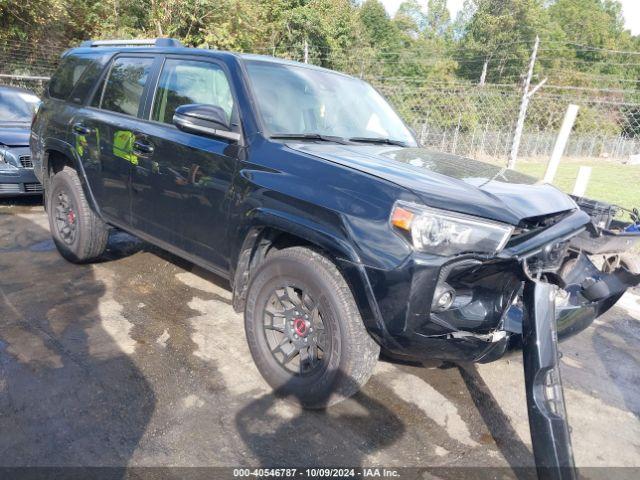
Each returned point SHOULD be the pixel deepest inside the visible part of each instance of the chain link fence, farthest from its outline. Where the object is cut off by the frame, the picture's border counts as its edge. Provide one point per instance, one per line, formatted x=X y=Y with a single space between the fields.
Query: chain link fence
x=479 y=121
x=461 y=118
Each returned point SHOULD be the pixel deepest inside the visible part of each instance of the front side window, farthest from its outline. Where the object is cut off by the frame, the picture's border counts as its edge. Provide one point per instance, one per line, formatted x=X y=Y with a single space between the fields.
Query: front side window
x=125 y=85
x=299 y=100
x=186 y=82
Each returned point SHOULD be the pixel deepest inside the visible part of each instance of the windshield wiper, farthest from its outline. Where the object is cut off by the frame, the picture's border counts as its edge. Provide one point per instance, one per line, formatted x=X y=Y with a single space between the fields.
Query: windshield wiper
x=310 y=136
x=387 y=141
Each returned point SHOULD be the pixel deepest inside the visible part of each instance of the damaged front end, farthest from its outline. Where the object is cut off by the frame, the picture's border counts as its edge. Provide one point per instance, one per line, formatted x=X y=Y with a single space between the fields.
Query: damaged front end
x=472 y=308
x=535 y=291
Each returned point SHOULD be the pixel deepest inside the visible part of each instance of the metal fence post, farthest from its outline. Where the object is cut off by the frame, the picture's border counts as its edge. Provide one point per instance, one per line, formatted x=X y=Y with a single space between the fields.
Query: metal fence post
x=523 y=108
x=456 y=134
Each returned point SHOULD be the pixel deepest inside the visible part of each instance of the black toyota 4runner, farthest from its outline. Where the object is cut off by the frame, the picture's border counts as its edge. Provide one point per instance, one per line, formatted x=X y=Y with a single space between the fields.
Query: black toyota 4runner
x=339 y=235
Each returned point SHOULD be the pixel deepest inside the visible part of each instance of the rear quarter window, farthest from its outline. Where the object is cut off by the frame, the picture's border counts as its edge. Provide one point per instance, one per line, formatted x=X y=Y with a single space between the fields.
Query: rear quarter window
x=92 y=73
x=71 y=69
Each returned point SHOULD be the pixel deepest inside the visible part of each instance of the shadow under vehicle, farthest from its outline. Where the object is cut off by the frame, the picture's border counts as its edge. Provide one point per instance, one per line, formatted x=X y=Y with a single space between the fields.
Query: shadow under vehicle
x=340 y=236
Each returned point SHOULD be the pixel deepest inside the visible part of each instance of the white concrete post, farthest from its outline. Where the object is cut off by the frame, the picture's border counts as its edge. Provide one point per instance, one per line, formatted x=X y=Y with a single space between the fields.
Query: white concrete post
x=582 y=181
x=561 y=142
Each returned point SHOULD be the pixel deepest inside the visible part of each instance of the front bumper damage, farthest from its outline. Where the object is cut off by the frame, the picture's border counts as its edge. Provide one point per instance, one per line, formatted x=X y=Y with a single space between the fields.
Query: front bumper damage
x=485 y=320
x=587 y=293
x=529 y=298
x=550 y=435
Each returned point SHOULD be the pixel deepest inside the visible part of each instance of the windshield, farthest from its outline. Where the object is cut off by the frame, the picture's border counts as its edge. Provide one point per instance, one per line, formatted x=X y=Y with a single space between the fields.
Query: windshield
x=299 y=100
x=17 y=106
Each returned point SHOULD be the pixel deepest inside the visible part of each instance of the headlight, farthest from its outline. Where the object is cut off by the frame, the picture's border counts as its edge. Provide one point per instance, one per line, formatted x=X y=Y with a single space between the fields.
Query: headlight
x=448 y=233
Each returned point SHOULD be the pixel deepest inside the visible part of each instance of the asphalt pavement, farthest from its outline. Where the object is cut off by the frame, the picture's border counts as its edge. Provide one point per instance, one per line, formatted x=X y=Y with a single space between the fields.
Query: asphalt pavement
x=140 y=360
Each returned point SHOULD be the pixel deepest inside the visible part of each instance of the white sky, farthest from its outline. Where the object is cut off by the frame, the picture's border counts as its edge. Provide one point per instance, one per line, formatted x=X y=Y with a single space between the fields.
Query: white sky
x=631 y=9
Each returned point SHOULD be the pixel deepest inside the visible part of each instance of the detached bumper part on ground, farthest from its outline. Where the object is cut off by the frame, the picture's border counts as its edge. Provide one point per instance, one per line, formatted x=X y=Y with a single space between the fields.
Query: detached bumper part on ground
x=550 y=435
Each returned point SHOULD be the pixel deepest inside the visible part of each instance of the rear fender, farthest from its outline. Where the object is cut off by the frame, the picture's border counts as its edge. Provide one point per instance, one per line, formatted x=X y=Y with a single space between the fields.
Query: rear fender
x=63 y=148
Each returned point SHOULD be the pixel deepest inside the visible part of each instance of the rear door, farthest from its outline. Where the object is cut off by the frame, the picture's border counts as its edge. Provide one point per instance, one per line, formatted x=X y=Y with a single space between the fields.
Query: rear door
x=181 y=185
x=65 y=95
x=105 y=133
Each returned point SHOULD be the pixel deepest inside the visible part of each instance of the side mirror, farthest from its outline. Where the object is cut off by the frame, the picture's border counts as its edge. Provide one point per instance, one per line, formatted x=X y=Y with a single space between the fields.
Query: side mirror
x=202 y=119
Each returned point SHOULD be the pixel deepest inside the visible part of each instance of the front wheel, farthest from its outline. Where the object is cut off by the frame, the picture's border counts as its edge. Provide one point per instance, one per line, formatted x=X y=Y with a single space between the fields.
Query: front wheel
x=304 y=330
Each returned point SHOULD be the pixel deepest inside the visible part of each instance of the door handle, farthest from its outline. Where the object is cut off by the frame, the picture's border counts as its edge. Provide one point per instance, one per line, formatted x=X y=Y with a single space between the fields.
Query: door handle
x=143 y=148
x=81 y=129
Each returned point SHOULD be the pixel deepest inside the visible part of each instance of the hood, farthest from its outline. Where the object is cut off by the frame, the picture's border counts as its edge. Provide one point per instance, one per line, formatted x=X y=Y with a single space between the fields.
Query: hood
x=450 y=182
x=14 y=136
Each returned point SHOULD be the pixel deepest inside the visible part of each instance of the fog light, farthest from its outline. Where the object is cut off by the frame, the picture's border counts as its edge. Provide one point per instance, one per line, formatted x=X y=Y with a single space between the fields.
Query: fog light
x=443 y=298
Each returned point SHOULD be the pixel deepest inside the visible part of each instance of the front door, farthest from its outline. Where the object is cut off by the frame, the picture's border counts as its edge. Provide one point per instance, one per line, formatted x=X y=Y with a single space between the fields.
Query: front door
x=181 y=184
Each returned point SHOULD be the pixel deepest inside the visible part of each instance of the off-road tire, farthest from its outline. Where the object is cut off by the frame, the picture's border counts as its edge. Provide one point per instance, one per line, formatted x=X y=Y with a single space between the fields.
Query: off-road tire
x=353 y=353
x=92 y=234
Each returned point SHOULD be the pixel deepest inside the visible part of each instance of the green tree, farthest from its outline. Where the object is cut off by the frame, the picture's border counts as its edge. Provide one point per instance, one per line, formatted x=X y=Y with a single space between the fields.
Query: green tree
x=380 y=31
x=502 y=32
x=438 y=19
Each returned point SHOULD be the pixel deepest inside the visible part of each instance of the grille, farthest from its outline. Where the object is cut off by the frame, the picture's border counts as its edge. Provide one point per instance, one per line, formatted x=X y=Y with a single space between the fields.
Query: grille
x=33 y=187
x=530 y=227
x=26 y=162
x=9 y=188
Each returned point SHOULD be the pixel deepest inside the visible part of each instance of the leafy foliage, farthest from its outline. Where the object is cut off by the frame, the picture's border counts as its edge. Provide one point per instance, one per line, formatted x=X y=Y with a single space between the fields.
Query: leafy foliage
x=583 y=42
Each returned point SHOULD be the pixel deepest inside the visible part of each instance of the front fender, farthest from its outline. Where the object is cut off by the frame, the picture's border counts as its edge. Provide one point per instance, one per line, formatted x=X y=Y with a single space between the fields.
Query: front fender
x=259 y=221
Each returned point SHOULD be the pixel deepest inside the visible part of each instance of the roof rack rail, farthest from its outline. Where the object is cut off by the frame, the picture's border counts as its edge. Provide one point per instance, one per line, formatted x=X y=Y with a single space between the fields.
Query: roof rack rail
x=151 y=42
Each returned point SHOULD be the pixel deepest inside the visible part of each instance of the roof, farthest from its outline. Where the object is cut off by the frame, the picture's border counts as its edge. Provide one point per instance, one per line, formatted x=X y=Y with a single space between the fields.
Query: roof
x=283 y=61
x=108 y=47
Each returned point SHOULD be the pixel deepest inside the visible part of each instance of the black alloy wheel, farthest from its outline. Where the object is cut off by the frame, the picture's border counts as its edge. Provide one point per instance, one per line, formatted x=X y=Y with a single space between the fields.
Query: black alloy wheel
x=304 y=330
x=295 y=331
x=65 y=217
x=79 y=234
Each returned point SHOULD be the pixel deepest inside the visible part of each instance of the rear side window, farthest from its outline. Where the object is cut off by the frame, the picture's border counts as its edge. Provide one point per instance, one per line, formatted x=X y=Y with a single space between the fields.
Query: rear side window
x=68 y=73
x=125 y=85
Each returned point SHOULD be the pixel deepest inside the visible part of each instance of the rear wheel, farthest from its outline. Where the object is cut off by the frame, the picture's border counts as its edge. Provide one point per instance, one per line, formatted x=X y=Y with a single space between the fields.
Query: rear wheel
x=304 y=329
x=79 y=234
